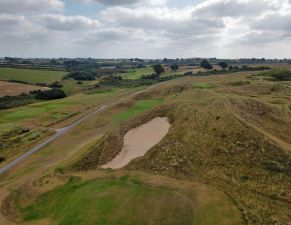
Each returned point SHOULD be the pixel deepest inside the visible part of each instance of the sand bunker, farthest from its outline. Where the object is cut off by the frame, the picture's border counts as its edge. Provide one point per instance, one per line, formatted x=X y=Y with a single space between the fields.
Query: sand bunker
x=139 y=140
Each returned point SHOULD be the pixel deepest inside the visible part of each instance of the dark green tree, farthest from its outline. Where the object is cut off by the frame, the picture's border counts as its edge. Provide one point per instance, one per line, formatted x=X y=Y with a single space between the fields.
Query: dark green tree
x=206 y=65
x=159 y=69
x=223 y=65
x=174 y=67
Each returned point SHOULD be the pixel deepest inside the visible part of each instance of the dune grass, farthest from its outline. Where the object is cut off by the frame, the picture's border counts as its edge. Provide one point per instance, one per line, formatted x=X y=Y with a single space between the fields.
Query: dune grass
x=31 y=76
x=137 y=108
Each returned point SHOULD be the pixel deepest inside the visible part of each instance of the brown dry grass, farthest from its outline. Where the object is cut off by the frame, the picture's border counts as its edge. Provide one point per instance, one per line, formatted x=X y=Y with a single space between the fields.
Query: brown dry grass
x=13 y=89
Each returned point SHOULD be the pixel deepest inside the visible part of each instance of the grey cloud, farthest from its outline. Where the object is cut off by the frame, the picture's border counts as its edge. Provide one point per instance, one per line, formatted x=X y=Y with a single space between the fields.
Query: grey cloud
x=159 y=21
x=67 y=23
x=118 y=2
x=128 y=2
x=10 y=20
x=16 y=6
x=231 y=8
x=273 y=22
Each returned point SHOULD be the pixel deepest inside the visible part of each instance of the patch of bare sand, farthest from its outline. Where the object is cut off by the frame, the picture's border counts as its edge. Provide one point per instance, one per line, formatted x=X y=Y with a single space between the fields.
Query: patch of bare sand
x=140 y=140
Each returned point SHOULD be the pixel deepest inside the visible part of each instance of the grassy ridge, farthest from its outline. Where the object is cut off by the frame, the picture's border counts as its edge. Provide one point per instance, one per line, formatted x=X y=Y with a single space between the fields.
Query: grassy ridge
x=31 y=76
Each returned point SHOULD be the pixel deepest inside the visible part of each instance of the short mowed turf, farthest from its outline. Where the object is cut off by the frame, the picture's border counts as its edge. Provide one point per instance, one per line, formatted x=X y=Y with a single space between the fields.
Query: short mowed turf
x=31 y=76
x=138 y=107
x=46 y=111
x=127 y=201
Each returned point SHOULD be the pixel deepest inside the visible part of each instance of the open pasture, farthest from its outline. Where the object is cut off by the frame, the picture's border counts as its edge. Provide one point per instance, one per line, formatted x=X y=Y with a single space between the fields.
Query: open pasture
x=31 y=76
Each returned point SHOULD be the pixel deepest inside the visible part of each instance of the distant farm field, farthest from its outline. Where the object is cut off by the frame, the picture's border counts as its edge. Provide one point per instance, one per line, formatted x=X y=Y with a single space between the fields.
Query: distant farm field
x=13 y=89
x=31 y=76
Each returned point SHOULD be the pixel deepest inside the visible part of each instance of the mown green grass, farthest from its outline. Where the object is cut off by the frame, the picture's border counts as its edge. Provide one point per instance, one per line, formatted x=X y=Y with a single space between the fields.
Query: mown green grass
x=109 y=201
x=204 y=85
x=113 y=201
x=31 y=76
x=56 y=107
x=137 y=108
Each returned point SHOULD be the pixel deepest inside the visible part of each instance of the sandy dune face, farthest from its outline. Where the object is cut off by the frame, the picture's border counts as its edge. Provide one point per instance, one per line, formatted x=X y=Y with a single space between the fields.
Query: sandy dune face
x=140 y=140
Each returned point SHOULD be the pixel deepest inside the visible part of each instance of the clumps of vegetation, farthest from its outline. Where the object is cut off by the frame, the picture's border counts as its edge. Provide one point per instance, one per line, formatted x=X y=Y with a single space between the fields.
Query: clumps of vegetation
x=277 y=75
x=174 y=67
x=15 y=140
x=159 y=69
x=206 y=64
x=82 y=75
x=189 y=73
x=223 y=65
x=8 y=102
x=56 y=84
x=150 y=77
x=49 y=94
x=240 y=83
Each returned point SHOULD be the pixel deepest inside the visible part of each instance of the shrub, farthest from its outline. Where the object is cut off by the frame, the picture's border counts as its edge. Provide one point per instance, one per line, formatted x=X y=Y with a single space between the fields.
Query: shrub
x=206 y=65
x=277 y=75
x=240 y=83
x=223 y=65
x=150 y=77
x=159 y=69
x=56 y=84
x=8 y=102
x=49 y=94
x=190 y=73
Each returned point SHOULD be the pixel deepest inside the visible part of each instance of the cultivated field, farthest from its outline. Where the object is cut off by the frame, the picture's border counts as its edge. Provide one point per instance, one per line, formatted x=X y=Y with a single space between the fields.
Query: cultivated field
x=225 y=160
x=31 y=76
x=13 y=89
x=137 y=73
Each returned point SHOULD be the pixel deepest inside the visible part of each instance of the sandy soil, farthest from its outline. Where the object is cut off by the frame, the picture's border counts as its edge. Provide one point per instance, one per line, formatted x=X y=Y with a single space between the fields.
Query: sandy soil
x=139 y=140
x=12 y=89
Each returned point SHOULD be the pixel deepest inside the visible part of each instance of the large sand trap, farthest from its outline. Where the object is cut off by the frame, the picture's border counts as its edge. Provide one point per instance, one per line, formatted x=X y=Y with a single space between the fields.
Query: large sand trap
x=139 y=140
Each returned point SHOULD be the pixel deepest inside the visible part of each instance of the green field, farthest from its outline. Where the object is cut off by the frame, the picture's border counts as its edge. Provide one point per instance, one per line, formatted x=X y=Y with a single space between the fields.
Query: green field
x=137 y=73
x=137 y=108
x=55 y=109
x=31 y=76
x=125 y=201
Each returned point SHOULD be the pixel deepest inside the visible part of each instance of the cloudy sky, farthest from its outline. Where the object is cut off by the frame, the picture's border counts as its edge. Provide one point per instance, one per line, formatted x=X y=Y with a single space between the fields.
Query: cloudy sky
x=145 y=28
